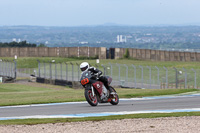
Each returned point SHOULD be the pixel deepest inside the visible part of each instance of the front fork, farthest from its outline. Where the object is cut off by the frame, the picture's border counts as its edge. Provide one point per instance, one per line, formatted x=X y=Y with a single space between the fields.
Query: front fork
x=92 y=90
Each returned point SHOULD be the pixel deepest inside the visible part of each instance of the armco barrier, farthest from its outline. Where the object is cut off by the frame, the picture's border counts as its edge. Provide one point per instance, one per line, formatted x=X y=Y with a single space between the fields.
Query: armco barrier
x=62 y=82
x=57 y=82
x=6 y=79
x=40 y=80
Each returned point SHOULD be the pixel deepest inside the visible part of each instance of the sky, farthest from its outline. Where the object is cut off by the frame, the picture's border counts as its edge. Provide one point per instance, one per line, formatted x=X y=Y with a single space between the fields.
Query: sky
x=99 y=12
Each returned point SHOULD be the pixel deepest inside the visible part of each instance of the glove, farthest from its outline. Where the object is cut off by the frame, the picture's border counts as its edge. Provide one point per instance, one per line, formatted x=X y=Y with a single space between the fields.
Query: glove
x=94 y=77
x=97 y=75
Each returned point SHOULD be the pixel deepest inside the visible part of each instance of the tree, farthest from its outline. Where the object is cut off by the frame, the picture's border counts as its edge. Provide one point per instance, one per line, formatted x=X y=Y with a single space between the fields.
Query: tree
x=127 y=55
x=42 y=45
x=17 y=44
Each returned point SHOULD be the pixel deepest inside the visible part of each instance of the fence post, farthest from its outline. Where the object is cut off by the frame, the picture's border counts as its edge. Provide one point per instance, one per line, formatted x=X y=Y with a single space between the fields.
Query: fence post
x=126 y=72
x=195 y=78
x=50 y=70
x=111 y=73
x=119 y=72
x=66 y=71
x=158 y=76
x=97 y=66
x=44 y=69
x=6 y=67
x=0 y=67
x=15 y=69
x=134 y=75
x=1 y=63
x=11 y=66
x=3 y=67
x=149 y=75
x=55 y=71
x=176 y=77
x=78 y=71
x=72 y=71
x=11 y=69
x=185 y=77
x=61 y=70
x=104 y=69
x=38 y=67
x=166 y=76
x=142 y=75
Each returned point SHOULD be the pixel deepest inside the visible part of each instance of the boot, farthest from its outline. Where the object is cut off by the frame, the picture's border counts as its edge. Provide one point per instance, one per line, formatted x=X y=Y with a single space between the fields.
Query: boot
x=110 y=90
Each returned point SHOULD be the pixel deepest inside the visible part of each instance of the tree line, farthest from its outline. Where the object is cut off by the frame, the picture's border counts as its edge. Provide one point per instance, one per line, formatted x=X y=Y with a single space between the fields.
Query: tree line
x=20 y=44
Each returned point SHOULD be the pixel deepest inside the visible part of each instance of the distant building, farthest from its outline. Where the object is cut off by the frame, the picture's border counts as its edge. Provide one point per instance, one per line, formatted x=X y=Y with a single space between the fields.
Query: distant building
x=83 y=42
x=121 y=39
x=14 y=40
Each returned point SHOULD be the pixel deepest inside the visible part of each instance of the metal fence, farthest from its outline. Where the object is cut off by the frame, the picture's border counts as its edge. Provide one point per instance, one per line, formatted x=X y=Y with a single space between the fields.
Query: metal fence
x=126 y=75
x=25 y=73
x=8 y=68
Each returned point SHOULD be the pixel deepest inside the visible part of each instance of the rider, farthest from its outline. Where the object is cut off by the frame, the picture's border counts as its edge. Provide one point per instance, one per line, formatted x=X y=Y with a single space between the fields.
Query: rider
x=86 y=67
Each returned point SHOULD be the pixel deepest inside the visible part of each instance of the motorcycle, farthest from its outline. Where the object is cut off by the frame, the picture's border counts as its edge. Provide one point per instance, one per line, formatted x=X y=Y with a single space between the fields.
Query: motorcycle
x=96 y=92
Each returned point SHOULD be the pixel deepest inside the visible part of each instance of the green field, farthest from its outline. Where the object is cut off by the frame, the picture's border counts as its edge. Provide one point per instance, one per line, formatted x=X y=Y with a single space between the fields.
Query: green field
x=35 y=93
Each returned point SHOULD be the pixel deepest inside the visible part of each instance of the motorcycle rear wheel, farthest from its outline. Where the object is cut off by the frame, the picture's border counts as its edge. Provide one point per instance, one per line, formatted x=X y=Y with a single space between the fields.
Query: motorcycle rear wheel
x=114 y=98
x=92 y=100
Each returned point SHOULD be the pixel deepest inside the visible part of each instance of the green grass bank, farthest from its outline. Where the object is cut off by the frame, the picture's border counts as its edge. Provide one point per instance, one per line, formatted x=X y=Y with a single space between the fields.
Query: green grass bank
x=36 y=93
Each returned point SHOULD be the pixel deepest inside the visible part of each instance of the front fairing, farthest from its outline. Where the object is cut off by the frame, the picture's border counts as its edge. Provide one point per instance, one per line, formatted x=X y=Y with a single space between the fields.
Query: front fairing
x=86 y=78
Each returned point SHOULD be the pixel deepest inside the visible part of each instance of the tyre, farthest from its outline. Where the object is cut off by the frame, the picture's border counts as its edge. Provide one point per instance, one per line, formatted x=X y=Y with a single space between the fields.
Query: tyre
x=114 y=98
x=92 y=100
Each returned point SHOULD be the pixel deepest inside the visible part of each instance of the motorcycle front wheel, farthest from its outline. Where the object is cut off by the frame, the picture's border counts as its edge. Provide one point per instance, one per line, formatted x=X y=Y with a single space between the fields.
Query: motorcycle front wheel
x=92 y=100
x=114 y=98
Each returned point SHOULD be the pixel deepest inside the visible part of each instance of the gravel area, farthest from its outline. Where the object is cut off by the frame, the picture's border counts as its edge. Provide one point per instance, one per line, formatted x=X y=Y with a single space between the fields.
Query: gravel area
x=156 y=125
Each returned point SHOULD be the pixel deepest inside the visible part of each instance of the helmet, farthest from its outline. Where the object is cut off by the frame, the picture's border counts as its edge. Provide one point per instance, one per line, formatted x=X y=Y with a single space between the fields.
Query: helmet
x=84 y=66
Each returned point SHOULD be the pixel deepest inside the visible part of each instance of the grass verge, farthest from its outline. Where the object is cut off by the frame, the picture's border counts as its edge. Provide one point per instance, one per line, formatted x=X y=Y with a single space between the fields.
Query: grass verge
x=36 y=93
x=116 y=117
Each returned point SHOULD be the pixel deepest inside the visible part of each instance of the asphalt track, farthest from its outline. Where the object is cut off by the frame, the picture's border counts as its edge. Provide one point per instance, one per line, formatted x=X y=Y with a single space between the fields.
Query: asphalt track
x=180 y=103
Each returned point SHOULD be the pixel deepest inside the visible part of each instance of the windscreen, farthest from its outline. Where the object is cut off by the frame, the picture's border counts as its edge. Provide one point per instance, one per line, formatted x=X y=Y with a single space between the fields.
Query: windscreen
x=86 y=75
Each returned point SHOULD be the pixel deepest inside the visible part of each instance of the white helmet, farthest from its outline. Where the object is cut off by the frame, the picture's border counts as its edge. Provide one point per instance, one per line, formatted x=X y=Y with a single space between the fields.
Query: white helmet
x=84 y=66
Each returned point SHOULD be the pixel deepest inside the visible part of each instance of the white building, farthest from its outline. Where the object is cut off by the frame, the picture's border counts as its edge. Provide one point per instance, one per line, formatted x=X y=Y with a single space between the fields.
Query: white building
x=14 y=40
x=121 y=39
